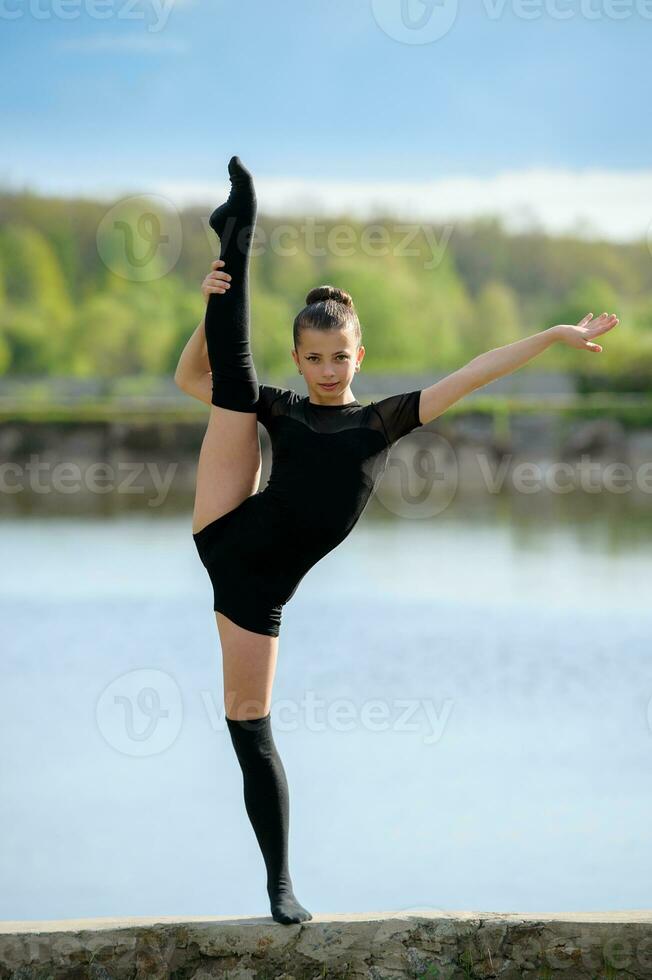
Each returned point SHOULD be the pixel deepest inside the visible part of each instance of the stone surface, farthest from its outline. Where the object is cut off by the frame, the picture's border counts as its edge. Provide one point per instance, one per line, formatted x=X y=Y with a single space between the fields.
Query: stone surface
x=419 y=943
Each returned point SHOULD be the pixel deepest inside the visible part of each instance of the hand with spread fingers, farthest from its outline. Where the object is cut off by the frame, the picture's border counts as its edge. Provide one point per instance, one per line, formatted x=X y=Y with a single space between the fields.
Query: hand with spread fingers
x=581 y=335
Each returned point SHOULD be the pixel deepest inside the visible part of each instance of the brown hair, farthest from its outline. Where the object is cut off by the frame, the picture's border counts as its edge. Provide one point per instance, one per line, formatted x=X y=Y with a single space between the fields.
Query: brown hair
x=327 y=307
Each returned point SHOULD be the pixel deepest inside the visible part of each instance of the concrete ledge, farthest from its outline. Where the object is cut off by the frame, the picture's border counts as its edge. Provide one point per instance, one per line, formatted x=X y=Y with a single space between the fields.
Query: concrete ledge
x=419 y=943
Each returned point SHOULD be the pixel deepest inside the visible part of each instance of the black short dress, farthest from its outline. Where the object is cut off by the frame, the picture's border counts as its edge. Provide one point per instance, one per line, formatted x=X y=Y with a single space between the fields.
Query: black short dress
x=326 y=460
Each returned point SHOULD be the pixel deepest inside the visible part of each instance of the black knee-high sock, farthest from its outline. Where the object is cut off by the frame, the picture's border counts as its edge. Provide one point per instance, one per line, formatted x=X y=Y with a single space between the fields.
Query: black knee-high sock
x=267 y=803
x=235 y=384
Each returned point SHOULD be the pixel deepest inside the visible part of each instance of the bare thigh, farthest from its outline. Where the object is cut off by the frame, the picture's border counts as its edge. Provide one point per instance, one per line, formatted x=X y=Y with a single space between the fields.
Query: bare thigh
x=248 y=668
x=229 y=464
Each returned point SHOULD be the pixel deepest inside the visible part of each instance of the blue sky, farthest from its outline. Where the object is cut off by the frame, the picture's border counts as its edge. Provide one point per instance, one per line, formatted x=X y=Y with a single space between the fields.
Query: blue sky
x=158 y=96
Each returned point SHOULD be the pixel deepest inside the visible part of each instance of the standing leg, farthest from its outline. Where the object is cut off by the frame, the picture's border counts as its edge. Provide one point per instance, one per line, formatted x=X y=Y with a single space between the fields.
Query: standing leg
x=230 y=460
x=249 y=664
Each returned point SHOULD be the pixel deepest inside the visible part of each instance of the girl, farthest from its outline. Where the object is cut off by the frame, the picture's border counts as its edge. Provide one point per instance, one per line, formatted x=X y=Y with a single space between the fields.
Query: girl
x=257 y=545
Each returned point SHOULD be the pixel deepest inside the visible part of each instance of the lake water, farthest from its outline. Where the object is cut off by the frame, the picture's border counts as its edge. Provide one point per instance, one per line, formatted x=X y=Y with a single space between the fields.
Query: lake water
x=462 y=705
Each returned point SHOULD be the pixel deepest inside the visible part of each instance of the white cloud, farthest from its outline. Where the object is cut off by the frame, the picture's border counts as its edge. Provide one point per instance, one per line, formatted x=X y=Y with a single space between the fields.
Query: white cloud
x=589 y=204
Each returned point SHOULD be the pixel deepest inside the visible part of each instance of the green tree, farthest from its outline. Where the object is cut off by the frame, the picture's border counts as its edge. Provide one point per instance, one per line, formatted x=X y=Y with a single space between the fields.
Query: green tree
x=103 y=329
x=32 y=272
x=590 y=295
x=31 y=345
x=497 y=317
x=271 y=333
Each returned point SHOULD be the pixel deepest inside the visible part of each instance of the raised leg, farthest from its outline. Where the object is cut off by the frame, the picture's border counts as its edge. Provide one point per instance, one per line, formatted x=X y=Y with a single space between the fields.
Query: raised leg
x=229 y=466
x=230 y=459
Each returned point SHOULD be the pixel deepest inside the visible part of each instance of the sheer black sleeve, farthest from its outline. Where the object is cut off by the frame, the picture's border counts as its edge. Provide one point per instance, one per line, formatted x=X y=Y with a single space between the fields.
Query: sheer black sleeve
x=399 y=414
x=267 y=395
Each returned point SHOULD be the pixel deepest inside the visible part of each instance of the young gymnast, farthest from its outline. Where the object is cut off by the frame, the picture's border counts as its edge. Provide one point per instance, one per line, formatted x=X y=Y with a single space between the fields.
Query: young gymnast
x=257 y=545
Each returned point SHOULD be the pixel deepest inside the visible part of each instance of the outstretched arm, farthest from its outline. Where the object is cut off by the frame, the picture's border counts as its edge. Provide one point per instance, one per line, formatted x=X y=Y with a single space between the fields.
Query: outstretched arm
x=193 y=373
x=503 y=360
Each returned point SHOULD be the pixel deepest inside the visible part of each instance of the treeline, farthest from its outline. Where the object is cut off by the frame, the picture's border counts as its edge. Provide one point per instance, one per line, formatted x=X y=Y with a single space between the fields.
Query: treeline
x=106 y=289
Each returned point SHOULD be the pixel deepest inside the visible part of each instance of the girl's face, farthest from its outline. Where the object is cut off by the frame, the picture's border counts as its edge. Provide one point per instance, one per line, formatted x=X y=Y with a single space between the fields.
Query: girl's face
x=328 y=360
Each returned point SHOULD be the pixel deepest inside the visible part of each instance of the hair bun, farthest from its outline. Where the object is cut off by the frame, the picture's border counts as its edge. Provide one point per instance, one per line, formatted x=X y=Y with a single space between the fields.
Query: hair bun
x=322 y=293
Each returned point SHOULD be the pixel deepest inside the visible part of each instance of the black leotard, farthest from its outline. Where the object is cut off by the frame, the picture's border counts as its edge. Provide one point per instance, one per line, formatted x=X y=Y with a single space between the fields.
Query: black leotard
x=326 y=460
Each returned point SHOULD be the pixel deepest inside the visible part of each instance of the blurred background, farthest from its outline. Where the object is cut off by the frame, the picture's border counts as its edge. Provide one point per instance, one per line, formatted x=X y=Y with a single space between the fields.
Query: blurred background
x=462 y=699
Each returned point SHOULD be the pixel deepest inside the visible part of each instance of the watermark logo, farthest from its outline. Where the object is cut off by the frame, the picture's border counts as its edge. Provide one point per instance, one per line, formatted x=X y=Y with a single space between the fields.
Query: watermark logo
x=419 y=478
x=415 y=21
x=140 y=237
x=140 y=713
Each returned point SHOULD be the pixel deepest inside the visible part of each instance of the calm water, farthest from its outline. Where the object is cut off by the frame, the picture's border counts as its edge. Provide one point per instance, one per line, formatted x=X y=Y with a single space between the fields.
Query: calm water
x=462 y=705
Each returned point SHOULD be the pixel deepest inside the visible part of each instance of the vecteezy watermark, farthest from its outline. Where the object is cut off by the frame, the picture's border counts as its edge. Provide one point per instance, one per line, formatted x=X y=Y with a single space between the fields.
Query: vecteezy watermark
x=140 y=713
x=344 y=240
x=45 y=477
x=316 y=714
x=590 y=476
x=154 y=13
x=419 y=477
x=585 y=951
x=425 y=21
x=139 y=238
